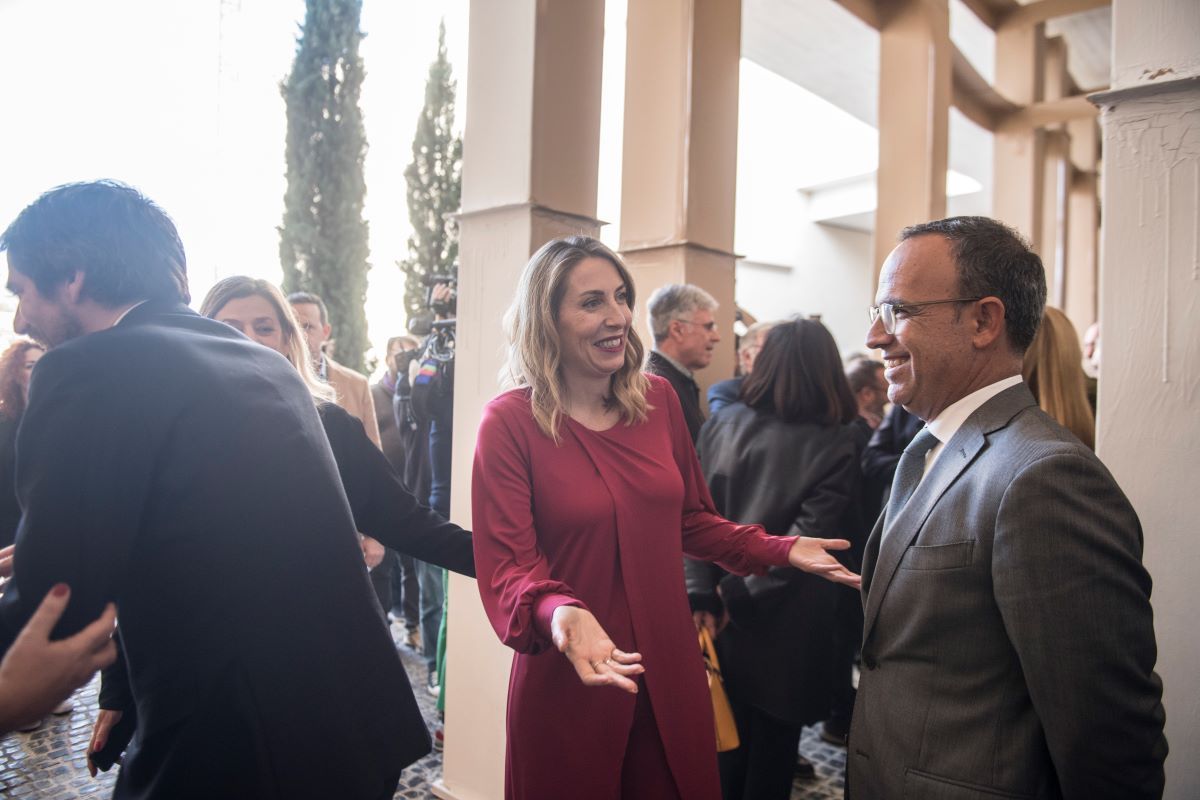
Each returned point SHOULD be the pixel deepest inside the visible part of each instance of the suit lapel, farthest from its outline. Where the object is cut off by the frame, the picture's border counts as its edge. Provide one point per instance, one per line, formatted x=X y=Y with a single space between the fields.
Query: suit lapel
x=882 y=558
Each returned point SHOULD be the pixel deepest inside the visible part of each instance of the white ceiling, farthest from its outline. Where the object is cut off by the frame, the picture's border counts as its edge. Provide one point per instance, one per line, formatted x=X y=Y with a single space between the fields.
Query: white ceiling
x=821 y=46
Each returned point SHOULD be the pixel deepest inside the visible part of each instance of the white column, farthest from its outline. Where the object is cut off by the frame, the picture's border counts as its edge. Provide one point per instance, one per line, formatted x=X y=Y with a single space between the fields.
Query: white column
x=1149 y=405
x=530 y=154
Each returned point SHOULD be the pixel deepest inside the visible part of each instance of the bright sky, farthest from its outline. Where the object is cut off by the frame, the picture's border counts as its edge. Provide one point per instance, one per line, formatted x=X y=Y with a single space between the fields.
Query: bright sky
x=182 y=100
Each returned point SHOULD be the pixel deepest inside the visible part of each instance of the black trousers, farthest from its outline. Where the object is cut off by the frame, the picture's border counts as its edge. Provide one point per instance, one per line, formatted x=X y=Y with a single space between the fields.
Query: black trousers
x=763 y=767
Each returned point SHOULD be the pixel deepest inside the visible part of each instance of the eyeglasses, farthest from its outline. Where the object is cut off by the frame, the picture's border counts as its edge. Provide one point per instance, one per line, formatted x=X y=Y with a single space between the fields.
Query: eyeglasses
x=709 y=326
x=888 y=311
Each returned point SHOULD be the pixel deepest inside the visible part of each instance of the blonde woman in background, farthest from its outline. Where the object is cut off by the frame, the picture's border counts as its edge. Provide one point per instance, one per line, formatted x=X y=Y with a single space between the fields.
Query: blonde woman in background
x=1054 y=372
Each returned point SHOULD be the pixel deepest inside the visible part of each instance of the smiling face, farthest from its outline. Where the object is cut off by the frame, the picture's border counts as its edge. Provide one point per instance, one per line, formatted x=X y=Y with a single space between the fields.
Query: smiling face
x=929 y=359
x=254 y=316
x=593 y=322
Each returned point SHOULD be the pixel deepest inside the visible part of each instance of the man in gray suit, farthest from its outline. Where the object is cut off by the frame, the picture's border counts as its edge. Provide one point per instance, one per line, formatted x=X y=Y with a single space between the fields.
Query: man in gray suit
x=1008 y=648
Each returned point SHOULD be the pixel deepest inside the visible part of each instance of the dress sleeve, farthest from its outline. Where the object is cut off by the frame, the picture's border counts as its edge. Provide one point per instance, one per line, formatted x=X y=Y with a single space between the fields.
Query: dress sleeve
x=515 y=583
x=740 y=549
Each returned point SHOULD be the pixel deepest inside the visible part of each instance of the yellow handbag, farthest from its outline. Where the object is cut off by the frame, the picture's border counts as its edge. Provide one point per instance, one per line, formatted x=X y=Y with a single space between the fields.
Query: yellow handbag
x=726 y=728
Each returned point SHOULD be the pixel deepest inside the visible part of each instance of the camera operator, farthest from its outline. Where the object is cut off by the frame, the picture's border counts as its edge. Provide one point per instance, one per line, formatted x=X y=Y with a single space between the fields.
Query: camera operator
x=395 y=580
x=428 y=415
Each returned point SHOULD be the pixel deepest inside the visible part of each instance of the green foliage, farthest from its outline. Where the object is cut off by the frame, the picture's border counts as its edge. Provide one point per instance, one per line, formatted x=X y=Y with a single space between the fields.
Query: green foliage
x=323 y=239
x=434 y=184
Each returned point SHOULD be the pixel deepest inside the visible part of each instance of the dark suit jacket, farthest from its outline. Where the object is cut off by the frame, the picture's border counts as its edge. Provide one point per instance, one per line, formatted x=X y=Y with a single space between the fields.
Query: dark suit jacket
x=795 y=479
x=685 y=388
x=1009 y=647
x=723 y=393
x=174 y=467
x=390 y=440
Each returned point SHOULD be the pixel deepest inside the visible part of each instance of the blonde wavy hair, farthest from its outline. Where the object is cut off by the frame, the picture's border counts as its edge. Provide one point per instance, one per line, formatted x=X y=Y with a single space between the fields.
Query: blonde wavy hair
x=534 y=349
x=1054 y=372
x=294 y=347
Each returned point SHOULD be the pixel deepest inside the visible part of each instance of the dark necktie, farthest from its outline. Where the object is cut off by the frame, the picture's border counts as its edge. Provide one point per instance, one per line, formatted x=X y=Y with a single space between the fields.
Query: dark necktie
x=909 y=472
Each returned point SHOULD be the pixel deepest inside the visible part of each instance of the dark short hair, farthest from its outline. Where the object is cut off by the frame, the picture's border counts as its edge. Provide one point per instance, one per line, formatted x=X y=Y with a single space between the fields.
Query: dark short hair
x=125 y=245
x=296 y=298
x=798 y=376
x=994 y=261
x=861 y=372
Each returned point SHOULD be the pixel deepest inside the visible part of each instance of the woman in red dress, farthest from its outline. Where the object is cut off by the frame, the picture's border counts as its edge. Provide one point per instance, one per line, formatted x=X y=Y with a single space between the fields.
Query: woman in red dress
x=586 y=495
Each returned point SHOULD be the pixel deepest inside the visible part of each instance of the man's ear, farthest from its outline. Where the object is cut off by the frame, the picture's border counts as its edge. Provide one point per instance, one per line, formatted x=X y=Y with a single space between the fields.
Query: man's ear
x=326 y=329
x=674 y=329
x=72 y=289
x=989 y=322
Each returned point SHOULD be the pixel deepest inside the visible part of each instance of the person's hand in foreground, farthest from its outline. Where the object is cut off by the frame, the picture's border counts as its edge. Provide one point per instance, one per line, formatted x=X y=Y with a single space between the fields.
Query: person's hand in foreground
x=707 y=620
x=106 y=720
x=812 y=555
x=38 y=674
x=6 y=561
x=579 y=637
x=373 y=552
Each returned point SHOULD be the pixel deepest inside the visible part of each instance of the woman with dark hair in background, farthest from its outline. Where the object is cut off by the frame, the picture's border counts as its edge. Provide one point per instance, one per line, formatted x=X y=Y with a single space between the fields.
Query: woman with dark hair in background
x=381 y=506
x=786 y=457
x=16 y=365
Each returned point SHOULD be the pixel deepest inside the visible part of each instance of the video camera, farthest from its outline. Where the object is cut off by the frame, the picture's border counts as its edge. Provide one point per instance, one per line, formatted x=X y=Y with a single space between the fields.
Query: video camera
x=445 y=307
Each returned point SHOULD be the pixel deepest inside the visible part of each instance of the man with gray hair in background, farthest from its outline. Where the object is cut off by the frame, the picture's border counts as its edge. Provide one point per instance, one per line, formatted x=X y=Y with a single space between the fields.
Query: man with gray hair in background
x=726 y=392
x=685 y=333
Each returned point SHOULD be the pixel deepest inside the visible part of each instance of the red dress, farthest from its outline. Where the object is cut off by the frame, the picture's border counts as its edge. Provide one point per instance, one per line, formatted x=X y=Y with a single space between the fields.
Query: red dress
x=601 y=520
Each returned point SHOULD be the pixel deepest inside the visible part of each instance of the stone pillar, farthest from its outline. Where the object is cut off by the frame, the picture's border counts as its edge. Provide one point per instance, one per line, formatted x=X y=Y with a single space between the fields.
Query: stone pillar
x=915 y=70
x=680 y=155
x=1148 y=430
x=530 y=155
x=1019 y=155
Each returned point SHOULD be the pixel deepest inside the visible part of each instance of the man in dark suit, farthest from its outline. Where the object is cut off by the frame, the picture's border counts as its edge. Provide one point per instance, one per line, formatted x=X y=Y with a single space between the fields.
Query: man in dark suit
x=167 y=463
x=685 y=333
x=1008 y=648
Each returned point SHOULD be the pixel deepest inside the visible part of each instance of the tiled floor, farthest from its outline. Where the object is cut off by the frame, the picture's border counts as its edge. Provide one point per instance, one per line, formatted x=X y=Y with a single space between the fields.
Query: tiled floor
x=49 y=764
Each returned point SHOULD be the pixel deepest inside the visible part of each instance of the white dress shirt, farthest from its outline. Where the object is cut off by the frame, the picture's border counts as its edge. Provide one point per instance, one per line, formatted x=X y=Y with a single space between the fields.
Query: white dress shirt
x=951 y=419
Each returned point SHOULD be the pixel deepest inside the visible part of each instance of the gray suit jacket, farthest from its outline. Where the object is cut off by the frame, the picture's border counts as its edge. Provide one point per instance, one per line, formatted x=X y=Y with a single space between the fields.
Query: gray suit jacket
x=1008 y=648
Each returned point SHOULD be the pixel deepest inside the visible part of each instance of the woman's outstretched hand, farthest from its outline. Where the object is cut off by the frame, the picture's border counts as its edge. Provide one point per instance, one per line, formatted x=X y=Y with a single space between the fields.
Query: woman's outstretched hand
x=812 y=555
x=579 y=637
x=37 y=673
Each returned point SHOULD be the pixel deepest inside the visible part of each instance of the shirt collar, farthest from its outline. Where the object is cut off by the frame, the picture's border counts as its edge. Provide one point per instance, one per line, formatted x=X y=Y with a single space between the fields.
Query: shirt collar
x=952 y=418
x=125 y=313
x=675 y=364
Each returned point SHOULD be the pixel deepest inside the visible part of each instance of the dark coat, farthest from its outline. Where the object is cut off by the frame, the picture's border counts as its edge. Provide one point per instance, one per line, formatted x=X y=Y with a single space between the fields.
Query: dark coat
x=174 y=467
x=794 y=479
x=686 y=389
x=390 y=440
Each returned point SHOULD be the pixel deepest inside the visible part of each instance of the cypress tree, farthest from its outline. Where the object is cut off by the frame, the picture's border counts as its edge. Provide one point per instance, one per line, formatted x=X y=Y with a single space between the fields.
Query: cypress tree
x=434 y=179
x=323 y=239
